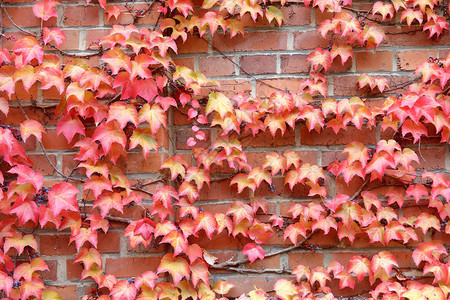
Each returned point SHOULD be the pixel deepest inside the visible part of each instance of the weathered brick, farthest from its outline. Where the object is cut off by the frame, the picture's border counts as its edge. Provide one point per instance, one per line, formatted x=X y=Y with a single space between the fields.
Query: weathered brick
x=409 y=60
x=131 y=266
x=258 y=64
x=294 y=63
x=216 y=66
x=81 y=15
x=373 y=61
x=266 y=40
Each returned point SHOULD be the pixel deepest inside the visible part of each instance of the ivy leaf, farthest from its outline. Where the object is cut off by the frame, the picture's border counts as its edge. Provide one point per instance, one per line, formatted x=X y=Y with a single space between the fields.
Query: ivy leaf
x=113 y=11
x=109 y=133
x=426 y=221
x=320 y=58
x=26 y=270
x=62 y=196
x=84 y=235
x=27 y=175
x=107 y=201
x=177 y=267
x=144 y=138
x=123 y=113
x=88 y=257
x=154 y=115
x=6 y=80
x=69 y=126
x=147 y=278
x=207 y=222
x=360 y=266
x=253 y=252
x=285 y=289
x=220 y=103
x=343 y=50
x=384 y=260
x=177 y=166
x=384 y=9
x=19 y=242
x=177 y=240
x=45 y=9
x=54 y=34
x=222 y=287
x=123 y=290
x=199 y=270
x=6 y=283
x=30 y=49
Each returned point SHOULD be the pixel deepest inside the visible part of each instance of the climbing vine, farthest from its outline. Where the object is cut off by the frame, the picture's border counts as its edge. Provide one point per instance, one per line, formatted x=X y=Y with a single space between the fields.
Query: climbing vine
x=128 y=102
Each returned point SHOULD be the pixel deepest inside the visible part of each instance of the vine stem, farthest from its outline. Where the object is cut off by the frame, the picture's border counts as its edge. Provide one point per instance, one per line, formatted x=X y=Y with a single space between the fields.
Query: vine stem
x=45 y=151
x=17 y=26
x=230 y=263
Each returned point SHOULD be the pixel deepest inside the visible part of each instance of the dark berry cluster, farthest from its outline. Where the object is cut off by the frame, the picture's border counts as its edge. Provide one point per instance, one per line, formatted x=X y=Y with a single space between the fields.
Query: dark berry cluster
x=14 y=131
x=436 y=60
x=42 y=196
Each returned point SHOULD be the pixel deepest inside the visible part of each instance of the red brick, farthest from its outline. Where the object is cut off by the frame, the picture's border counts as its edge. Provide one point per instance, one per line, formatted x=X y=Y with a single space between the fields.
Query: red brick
x=404 y=259
x=51 y=94
x=21 y=94
x=42 y=165
x=308 y=259
x=73 y=270
x=272 y=262
x=346 y=85
x=193 y=44
x=330 y=156
x=185 y=62
x=338 y=67
x=94 y=36
x=433 y=157
x=265 y=87
x=72 y=40
x=252 y=41
x=131 y=266
x=414 y=36
x=221 y=190
x=265 y=139
x=409 y=60
x=258 y=64
x=56 y=244
x=294 y=63
x=53 y=141
x=296 y=15
x=23 y=16
x=52 y=273
x=65 y=291
x=373 y=61
x=327 y=136
x=81 y=15
x=216 y=66
x=109 y=242
x=309 y=40
x=344 y=257
x=136 y=163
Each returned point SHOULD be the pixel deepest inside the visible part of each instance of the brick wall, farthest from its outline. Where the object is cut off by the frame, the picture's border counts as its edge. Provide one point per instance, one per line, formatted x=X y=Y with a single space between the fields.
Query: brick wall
x=267 y=58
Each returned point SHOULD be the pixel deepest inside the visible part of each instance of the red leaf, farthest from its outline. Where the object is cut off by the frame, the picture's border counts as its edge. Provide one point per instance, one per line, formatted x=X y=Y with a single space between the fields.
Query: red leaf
x=62 y=196
x=45 y=9
x=54 y=34
x=253 y=252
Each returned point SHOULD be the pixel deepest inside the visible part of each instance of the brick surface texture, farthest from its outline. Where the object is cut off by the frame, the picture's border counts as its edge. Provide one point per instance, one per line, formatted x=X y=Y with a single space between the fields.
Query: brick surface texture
x=265 y=59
